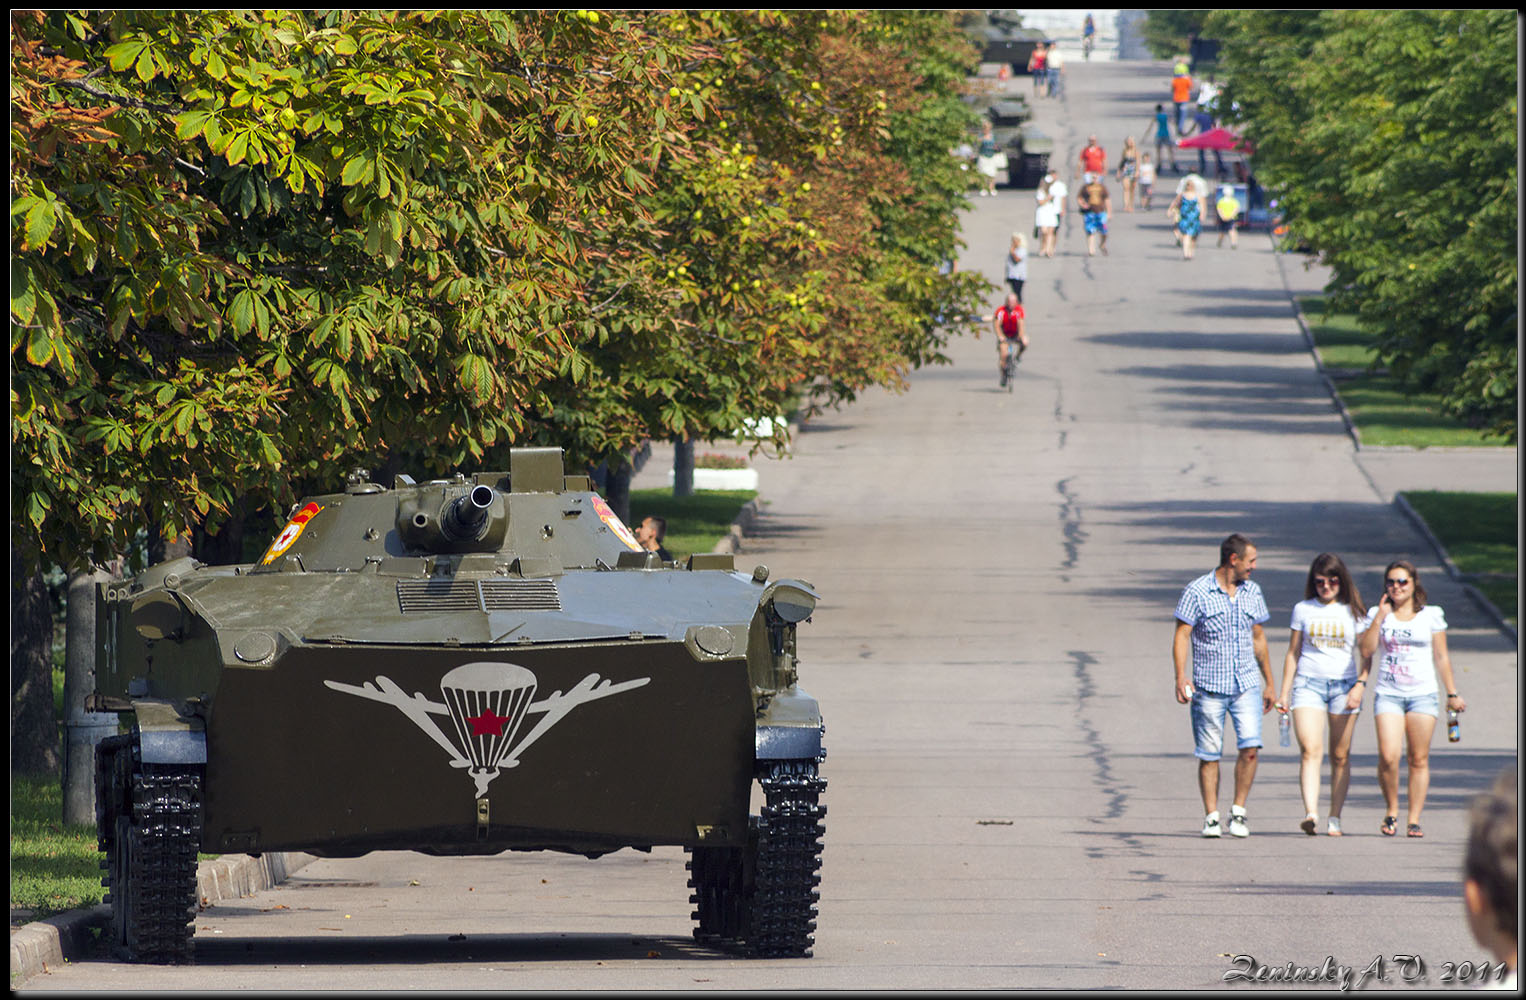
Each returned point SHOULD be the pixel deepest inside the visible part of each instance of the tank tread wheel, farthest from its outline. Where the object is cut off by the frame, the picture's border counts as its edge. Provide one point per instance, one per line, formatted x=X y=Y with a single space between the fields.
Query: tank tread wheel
x=763 y=897
x=151 y=846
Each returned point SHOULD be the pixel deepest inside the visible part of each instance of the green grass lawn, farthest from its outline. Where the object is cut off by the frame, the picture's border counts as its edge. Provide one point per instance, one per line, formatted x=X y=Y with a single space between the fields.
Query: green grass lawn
x=1385 y=414
x=53 y=867
x=1479 y=533
x=695 y=523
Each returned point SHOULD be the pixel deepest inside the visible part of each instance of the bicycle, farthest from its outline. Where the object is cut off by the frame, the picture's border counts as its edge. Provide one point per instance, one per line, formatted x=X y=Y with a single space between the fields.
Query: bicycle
x=1086 y=48
x=1009 y=369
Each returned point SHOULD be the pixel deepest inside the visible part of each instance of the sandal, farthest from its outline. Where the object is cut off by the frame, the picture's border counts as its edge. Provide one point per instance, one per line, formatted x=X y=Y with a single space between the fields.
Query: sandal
x=1414 y=830
x=1309 y=823
x=1390 y=825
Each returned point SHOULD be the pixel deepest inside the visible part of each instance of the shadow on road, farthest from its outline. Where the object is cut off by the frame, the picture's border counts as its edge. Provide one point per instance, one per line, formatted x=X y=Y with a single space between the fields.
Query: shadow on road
x=441 y=949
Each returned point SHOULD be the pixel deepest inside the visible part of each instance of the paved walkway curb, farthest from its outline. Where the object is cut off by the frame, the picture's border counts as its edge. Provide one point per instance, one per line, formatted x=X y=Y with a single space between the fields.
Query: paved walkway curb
x=62 y=938
x=745 y=518
x=1319 y=365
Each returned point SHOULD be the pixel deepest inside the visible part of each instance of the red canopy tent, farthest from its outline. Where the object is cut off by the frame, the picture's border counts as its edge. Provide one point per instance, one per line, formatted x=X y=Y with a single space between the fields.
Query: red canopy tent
x=1217 y=137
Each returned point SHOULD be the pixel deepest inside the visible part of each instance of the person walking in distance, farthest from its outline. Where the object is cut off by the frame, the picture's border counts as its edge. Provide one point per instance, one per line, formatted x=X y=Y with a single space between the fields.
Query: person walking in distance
x=1162 y=126
x=1049 y=210
x=1038 y=66
x=985 y=160
x=1146 y=180
x=1017 y=264
x=1093 y=159
x=1227 y=210
x=1056 y=70
x=1011 y=326
x=1095 y=204
x=1218 y=628
x=1128 y=172
x=1321 y=681
x=1188 y=209
x=1181 y=95
x=1412 y=637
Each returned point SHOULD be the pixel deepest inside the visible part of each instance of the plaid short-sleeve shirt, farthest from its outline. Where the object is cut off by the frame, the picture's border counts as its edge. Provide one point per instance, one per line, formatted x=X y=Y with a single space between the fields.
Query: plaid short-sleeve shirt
x=1223 y=650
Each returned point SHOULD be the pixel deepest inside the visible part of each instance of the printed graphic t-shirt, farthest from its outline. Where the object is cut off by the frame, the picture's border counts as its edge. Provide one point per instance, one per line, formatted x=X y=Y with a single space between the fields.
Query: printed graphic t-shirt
x=1404 y=664
x=1329 y=639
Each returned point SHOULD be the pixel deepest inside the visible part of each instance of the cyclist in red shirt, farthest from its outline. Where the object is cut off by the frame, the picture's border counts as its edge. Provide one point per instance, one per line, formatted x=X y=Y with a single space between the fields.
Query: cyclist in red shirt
x=1010 y=324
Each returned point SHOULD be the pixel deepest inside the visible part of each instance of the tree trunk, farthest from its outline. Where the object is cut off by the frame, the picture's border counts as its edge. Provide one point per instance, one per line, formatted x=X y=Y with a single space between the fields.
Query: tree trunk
x=617 y=486
x=160 y=550
x=82 y=729
x=34 y=727
x=683 y=467
x=226 y=548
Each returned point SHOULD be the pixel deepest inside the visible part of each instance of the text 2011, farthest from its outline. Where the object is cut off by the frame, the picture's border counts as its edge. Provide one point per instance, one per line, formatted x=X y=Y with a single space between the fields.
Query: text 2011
x=1472 y=972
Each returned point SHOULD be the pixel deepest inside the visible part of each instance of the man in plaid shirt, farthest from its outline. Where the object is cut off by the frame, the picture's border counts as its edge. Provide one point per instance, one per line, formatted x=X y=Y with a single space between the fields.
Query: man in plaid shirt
x=1218 y=621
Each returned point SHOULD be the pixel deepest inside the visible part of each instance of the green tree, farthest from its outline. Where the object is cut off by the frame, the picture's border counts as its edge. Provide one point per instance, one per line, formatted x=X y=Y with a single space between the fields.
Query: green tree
x=816 y=185
x=248 y=247
x=1168 y=33
x=1391 y=137
x=251 y=249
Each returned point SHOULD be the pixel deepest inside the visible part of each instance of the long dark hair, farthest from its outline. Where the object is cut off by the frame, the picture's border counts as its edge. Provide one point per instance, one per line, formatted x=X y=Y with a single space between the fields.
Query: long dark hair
x=1417 y=592
x=1330 y=564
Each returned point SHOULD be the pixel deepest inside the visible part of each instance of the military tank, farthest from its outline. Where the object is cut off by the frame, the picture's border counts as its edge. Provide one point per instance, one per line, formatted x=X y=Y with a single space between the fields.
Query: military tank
x=465 y=666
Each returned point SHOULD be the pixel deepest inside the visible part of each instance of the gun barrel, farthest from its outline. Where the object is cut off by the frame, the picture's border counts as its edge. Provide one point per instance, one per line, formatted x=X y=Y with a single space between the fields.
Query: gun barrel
x=465 y=519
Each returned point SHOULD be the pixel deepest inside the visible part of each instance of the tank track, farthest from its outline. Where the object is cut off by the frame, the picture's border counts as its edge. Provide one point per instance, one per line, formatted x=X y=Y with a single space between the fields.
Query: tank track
x=763 y=897
x=150 y=829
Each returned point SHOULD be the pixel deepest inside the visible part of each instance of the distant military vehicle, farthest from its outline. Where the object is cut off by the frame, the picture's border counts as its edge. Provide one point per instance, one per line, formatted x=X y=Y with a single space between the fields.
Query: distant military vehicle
x=1006 y=42
x=464 y=666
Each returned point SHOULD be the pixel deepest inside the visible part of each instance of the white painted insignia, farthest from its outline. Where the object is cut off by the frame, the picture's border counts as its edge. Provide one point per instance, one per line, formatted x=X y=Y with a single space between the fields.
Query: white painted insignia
x=487 y=703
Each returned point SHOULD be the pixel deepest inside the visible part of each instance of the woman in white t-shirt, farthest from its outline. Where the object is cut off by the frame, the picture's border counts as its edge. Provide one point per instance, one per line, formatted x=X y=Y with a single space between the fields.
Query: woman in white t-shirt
x=1050 y=207
x=1412 y=636
x=1320 y=682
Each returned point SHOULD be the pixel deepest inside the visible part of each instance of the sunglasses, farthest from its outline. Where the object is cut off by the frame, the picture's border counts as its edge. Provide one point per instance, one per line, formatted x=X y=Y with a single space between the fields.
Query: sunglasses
x=1333 y=581
x=1391 y=582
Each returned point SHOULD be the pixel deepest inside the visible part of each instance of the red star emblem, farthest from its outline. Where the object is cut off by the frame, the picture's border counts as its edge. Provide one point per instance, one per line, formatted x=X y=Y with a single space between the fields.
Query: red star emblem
x=487 y=724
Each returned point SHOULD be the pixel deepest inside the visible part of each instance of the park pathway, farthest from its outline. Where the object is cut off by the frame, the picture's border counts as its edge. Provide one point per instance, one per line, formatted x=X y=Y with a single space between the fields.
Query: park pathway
x=1012 y=798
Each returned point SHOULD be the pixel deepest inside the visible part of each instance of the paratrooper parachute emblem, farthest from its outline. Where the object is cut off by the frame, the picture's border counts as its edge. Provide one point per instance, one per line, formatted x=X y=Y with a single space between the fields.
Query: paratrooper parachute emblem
x=487 y=703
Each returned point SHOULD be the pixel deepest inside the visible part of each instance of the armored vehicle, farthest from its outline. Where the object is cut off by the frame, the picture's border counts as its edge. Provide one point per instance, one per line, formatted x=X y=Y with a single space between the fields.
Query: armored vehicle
x=1027 y=147
x=1028 y=152
x=1004 y=41
x=463 y=666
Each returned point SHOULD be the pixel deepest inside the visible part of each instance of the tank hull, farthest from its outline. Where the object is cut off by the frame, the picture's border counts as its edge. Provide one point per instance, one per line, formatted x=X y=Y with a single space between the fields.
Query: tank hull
x=340 y=751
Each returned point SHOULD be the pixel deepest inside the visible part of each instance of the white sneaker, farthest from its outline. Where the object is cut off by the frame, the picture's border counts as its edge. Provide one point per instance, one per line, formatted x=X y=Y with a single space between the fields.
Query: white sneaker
x=1211 y=825
x=1237 y=825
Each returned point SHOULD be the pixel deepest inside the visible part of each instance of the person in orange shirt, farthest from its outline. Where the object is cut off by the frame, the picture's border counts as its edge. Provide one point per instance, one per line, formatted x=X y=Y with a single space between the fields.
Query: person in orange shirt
x=1181 y=93
x=1093 y=158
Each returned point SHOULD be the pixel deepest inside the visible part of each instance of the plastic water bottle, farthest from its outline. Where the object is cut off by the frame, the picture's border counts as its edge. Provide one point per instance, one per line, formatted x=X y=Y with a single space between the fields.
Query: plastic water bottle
x=1454 y=727
x=1285 y=728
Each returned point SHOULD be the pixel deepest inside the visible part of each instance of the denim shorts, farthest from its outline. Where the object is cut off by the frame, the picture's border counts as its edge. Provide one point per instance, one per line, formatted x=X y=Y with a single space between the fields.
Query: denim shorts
x=1317 y=692
x=1396 y=704
x=1208 y=711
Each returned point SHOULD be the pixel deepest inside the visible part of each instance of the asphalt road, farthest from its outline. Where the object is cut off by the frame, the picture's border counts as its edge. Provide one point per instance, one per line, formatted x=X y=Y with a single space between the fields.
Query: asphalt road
x=1012 y=799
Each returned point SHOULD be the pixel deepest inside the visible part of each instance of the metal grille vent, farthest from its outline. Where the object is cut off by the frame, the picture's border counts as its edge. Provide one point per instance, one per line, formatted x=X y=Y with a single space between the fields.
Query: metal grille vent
x=520 y=595
x=438 y=597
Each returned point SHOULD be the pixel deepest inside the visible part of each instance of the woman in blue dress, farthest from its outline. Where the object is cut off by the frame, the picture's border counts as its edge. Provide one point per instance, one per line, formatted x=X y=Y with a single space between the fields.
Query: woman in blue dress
x=1188 y=210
